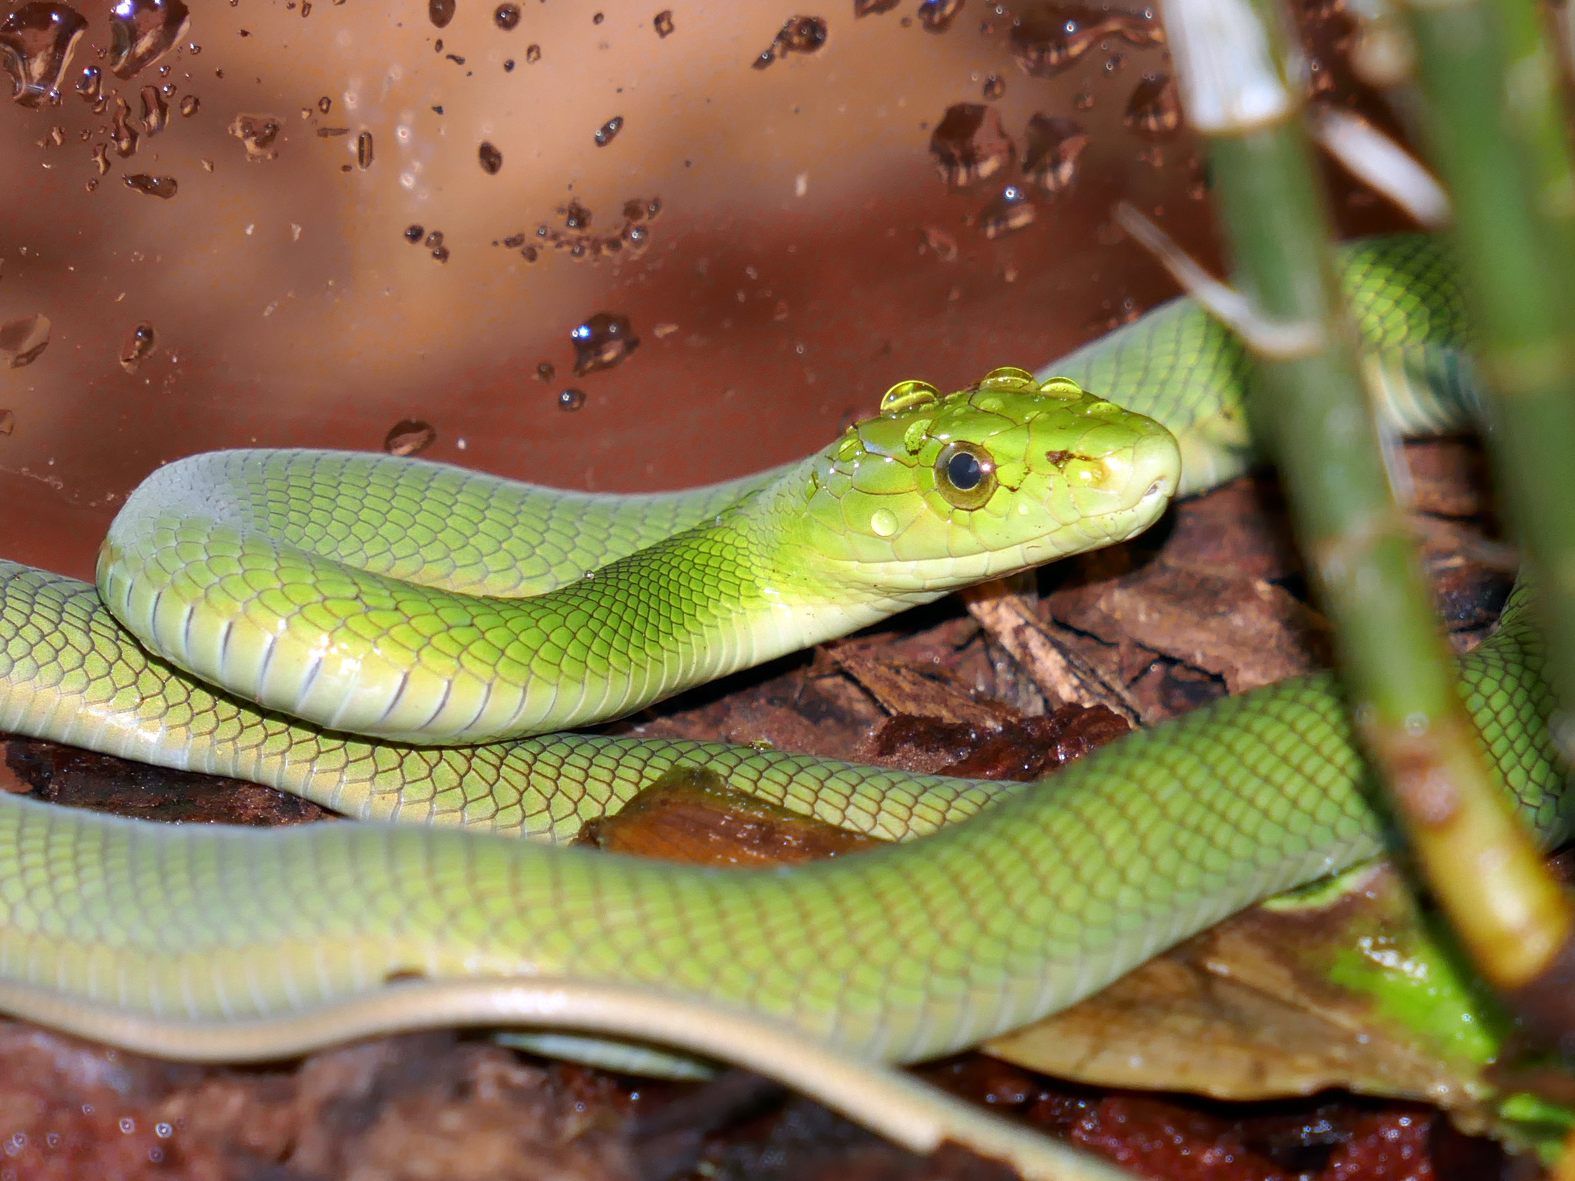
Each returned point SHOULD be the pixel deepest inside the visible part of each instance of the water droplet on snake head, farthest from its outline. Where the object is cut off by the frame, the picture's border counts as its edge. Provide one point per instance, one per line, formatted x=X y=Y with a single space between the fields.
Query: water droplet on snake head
x=1054 y=146
x=970 y=144
x=1154 y=108
x=883 y=522
x=905 y=395
x=408 y=436
x=138 y=345
x=664 y=23
x=144 y=31
x=35 y=47
x=602 y=341
x=22 y=340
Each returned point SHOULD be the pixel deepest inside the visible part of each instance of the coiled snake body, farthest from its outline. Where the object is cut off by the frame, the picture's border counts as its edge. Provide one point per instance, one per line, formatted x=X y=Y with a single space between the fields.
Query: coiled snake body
x=220 y=943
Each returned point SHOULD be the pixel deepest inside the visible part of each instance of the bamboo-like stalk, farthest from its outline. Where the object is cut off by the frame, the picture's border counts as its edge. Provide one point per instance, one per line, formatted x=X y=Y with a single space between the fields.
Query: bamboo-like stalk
x=1311 y=408
x=1493 y=117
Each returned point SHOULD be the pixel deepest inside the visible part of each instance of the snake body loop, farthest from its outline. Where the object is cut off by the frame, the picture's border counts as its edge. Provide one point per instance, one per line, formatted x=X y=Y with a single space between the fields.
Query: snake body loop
x=239 y=942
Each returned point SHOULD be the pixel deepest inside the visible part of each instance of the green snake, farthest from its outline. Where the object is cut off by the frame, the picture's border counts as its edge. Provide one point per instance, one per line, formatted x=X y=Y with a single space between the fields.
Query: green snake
x=449 y=614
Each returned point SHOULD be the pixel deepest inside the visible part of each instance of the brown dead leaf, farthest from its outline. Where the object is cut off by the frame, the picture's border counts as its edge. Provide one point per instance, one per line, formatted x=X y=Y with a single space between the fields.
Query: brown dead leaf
x=1248 y=1010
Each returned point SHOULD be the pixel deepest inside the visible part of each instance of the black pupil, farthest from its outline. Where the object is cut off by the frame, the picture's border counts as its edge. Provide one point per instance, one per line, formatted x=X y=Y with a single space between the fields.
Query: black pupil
x=964 y=471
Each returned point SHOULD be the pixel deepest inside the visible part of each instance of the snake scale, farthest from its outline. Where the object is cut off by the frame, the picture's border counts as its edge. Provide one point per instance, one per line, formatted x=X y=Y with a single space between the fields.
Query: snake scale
x=473 y=612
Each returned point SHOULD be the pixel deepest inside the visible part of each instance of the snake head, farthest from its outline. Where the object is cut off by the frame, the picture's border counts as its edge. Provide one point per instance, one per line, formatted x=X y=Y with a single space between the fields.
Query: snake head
x=938 y=491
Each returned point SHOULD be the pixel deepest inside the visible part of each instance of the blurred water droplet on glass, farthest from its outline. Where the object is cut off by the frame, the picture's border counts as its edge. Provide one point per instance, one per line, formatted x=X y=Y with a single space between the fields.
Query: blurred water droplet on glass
x=664 y=23
x=1054 y=146
x=873 y=7
x=801 y=34
x=22 y=340
x=121 y=132
x=608 y=131
x=363 y=150
x=491 y=158
x=189 y=105
x=36 y=42
x=7 y=422
x=155 y=111
x=258 y=134
x=506 y=16
x=138 y=345
x=994 y=87
x=602 y=341
x=937 y=15
x=545 y=370
x=1154 y=108
x=162 y=187
x=144 y=31
x=1049 y=37
x=91 y=86
x=414 y=234
x=440 y=12
x=571 y=399
x=970 y=144
x=101 y=158
x=408 y=436
x=532 y=54
x=1012 y=210
x=1083 y=100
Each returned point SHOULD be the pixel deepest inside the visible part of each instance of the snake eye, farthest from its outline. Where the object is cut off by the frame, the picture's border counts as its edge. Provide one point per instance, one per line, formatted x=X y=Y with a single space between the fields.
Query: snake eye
x=965 y=475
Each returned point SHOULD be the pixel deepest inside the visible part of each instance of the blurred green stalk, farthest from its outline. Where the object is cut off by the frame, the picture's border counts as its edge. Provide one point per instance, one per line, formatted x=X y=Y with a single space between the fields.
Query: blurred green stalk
x=1311 y=408
x=1498 y=135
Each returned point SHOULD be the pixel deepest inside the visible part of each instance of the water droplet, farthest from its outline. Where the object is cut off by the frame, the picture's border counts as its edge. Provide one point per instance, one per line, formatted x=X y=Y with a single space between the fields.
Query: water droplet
x=144 y=31
x=873 y=7
x=155 y=111
x=801 y=34
x=571 y=398
x=408 y=436
x=1049 y=37
x=100 y=159
x=1054 y=146
x=545 y=370
x=138 y=345
x=508 y=65
x=491 y=158
x=1011 y=211
x=994 y=87
x=532 y=54
x=363 y=150
x=414 y=234
x=608 y=131
x=1083 y=100
x=162 y=187
x=1154 y=108
x=35 y=47
x=440 y=12
x=7 y=422
x=937 y=15
x=576 y=216
x=883 y=522
x=91 y=84
x=506 y=16
x=257 y=134
x=189 y=105
x=21 y=341
x=598 y=18
x=602 y=341
x=970 y=144
x=664 y=23
x=942 y=244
